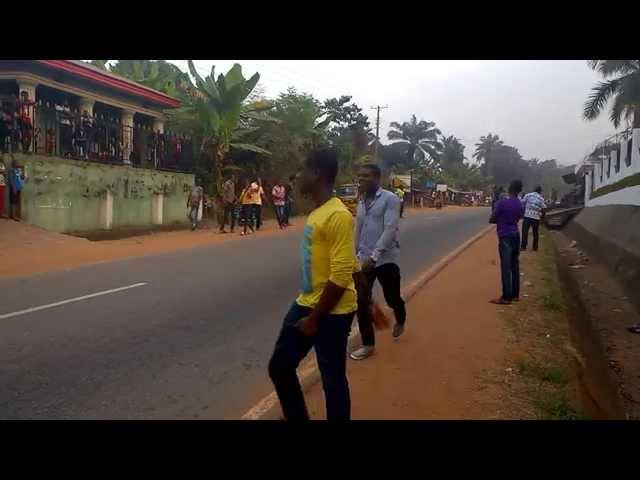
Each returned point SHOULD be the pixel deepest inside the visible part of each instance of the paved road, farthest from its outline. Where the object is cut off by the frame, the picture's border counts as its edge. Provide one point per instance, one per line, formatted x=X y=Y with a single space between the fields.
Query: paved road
x=193 y=342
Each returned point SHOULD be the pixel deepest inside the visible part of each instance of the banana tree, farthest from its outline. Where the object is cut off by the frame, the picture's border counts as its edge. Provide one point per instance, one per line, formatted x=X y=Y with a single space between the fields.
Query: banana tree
x=218 y=113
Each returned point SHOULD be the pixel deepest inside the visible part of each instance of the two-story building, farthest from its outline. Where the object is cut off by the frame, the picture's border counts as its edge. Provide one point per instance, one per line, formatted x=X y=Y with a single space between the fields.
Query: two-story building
x=92 y=146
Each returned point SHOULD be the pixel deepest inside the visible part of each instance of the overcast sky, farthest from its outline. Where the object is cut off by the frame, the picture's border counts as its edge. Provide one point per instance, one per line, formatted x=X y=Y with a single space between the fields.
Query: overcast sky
x=534 y=105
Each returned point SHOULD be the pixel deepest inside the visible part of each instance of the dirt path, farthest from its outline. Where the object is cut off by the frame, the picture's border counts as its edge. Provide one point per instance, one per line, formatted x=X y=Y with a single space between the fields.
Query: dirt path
x=454 y=336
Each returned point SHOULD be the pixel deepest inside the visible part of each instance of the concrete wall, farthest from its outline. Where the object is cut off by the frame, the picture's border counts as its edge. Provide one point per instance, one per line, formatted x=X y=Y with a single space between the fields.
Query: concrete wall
x=71 y=196
x=612 y=235
x=602 y=175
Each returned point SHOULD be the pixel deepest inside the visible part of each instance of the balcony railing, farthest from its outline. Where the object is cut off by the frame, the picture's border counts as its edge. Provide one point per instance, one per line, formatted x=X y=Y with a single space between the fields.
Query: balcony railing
x=55 y=130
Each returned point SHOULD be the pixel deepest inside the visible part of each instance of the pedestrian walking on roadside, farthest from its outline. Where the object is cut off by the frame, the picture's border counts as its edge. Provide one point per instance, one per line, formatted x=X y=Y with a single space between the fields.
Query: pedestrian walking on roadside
x=228 y=204
x=246 y=200
x=321 y=316
x=193 y=203
x=279 y=197
x=257 y=197
x=400 y=193
x=534 y=206
x=506 y=215
x=289 y=200
x=16 y=185
x=377 y=249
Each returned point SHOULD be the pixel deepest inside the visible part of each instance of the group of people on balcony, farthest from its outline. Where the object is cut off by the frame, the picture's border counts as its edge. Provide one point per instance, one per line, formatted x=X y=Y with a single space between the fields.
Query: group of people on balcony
x=16 y=124
x=53 y=128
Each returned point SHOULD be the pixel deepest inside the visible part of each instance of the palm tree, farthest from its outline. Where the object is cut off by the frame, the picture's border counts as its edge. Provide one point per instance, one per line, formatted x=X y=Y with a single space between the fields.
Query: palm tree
x=487 y=145
x=452 y=156
x=623 y=85
x=421 y=139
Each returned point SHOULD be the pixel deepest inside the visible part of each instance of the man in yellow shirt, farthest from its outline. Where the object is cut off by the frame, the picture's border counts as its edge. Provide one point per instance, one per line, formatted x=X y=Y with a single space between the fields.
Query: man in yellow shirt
x=321 y=316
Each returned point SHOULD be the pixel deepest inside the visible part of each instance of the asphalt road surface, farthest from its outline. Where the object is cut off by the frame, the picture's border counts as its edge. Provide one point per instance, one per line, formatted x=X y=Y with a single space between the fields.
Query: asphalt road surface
x=182 y=335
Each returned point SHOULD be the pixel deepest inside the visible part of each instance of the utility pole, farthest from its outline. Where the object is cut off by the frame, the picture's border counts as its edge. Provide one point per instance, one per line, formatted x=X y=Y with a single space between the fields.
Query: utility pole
x=378 y=108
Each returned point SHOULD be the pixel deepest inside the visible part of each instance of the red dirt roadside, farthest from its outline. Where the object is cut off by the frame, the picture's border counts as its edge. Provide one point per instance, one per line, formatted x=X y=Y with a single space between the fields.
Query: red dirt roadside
x=27 y=250
x=437 y=370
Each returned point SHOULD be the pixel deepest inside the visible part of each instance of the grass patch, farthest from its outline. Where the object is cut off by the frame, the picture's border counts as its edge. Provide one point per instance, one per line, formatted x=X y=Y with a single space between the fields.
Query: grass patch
x=553 y=303
x=630 y=181
x=557 y=406
x=540 y=383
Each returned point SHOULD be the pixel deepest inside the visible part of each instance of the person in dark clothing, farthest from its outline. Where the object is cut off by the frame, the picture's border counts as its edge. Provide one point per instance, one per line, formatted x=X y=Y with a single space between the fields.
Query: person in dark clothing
x=322 y=314
x=288 y=205
x=506 y=215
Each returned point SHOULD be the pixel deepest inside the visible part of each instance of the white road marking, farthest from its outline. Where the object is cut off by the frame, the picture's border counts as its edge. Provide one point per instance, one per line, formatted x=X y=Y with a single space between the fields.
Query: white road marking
x=70 y=300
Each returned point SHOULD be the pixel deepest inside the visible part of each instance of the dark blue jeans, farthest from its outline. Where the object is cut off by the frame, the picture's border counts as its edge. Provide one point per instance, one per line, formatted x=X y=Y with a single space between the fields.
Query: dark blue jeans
x=331 y=351
x=509 y=250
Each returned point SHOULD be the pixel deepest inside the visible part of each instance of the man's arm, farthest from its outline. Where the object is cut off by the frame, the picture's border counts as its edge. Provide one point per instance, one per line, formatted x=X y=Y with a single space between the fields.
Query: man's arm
x=341 y=259
x=391 y=219
x=359 y=218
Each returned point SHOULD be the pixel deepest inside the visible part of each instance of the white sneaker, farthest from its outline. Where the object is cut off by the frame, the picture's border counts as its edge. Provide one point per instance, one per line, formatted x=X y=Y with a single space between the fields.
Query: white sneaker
x=362 y=353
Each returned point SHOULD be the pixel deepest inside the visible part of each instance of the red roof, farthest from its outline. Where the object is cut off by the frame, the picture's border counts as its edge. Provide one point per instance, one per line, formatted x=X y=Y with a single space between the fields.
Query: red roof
x=98 y=75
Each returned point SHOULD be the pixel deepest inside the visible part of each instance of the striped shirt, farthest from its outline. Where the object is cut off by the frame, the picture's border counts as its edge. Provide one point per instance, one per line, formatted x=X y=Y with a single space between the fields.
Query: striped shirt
x=533 y=205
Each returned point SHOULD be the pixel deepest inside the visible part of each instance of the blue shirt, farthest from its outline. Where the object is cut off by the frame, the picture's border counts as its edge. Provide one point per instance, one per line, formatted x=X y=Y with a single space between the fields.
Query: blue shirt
x=377 y=228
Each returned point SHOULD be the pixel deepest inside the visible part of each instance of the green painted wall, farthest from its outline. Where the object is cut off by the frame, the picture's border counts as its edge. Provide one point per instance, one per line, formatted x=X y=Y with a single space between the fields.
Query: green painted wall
x=65 y=195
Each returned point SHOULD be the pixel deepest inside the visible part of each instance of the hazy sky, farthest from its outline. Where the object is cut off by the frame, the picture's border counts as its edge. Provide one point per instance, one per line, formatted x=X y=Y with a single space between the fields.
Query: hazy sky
x=534 y=105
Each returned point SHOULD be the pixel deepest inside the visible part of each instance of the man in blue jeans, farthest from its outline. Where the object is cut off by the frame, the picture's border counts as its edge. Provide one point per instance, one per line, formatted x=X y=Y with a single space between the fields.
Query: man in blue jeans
x=506 y=215
x=321 y=316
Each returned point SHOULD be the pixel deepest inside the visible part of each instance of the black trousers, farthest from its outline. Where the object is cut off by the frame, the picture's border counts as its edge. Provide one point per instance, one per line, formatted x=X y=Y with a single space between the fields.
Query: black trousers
x=257 y=214
x=331 y=352
x=388 y=275
x=535 y=226
x=228 y=216
x=509 y=250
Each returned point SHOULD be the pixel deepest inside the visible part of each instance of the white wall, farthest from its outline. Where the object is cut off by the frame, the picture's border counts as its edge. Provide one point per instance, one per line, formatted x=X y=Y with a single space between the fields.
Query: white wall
x=627 y=196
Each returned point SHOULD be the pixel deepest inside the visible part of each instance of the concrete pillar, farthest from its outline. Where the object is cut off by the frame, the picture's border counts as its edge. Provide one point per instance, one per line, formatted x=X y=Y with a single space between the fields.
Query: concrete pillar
x=158 y=125
x=86 y=104
x=157 y=201
x=126 y=120
x=106 y=211
x=635 y=151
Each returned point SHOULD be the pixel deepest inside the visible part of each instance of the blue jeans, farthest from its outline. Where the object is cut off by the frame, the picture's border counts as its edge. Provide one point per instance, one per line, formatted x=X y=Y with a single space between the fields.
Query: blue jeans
x=279 y=214
x=509 y=250
x=331 y=351
x=193 y=214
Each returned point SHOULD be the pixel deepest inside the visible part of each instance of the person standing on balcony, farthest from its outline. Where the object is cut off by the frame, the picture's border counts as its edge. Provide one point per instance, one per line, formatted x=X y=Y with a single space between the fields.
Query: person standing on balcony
x=5 y=130
x=25 y=115
x=228 y=204
x=534 y=206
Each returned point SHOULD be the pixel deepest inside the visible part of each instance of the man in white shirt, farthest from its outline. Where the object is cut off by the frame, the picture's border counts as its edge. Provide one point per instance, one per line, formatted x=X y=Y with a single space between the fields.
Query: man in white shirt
x=534 y=207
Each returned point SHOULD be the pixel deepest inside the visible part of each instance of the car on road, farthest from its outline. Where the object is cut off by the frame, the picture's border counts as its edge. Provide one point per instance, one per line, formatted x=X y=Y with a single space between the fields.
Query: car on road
x=348 y=193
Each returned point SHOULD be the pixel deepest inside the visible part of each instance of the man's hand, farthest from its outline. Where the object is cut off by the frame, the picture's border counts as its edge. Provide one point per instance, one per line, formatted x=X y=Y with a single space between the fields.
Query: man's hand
x=309 y=326
x=368 y=265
